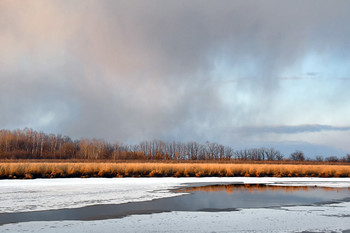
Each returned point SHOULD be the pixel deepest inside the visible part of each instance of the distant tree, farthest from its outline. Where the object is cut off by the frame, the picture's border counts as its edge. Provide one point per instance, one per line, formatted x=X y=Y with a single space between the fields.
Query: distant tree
x=279 y=156
x=297 y=156
x=30 y=144
x=272 y=154
x=347 y=158
x=319 y=158
x=332 y=159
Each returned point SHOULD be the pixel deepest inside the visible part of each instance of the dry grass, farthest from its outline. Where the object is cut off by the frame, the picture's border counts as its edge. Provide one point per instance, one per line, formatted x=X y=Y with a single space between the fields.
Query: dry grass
x=53 y=170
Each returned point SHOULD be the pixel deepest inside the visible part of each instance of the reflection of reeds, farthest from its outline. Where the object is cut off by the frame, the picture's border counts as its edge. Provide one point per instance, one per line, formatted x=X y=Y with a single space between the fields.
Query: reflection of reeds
x=36 y=170
x=252 y=188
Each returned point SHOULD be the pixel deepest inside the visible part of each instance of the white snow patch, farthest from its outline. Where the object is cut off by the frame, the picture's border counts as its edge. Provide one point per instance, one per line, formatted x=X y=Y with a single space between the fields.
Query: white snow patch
x=327 y=218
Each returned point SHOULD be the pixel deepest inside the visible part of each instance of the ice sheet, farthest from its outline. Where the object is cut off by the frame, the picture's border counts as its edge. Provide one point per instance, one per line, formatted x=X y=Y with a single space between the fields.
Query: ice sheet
x=45 y=194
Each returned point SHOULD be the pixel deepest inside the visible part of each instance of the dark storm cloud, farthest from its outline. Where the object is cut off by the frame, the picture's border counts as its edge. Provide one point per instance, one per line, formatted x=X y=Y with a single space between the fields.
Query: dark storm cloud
x=312 y=73
x=134 y=70
x=291 y=129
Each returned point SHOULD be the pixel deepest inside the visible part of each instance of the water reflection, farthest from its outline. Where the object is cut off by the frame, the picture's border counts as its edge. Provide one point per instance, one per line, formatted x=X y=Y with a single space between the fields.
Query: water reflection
x=261 y=196
x=253 y=188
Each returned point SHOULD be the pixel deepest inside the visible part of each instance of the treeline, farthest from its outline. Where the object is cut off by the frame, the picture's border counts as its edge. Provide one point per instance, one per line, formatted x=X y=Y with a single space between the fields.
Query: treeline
x=30 y=144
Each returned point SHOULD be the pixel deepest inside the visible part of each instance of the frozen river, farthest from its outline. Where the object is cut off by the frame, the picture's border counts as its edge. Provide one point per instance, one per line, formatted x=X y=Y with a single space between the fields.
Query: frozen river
x=152 y=205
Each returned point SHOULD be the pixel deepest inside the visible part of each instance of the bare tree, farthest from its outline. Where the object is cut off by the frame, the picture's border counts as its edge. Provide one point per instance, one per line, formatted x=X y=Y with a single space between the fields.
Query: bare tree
x=297 y=156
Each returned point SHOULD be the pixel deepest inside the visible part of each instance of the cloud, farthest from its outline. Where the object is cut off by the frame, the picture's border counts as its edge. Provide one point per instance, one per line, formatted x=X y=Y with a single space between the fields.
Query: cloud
x=308 y=77
x=345 y=79
x=294 y=129
x=311 y=150
x=312 y=73
x=178 y=70
x=293 y=78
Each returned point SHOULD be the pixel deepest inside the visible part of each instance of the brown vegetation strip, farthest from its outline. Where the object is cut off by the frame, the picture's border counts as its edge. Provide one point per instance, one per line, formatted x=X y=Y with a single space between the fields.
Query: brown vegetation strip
x=55 y=170
x=232 y=161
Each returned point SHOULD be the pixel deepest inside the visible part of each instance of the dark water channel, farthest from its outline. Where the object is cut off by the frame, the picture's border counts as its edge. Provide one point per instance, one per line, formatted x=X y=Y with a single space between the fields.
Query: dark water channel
x=203 y=198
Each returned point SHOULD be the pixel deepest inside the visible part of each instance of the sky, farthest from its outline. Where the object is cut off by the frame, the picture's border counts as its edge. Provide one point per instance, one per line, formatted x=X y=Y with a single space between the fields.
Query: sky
x=242 y=73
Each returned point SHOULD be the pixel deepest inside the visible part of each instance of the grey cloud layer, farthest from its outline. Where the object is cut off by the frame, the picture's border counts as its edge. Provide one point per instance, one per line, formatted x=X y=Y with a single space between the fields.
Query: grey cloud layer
x=134 y=70
x=291 y=129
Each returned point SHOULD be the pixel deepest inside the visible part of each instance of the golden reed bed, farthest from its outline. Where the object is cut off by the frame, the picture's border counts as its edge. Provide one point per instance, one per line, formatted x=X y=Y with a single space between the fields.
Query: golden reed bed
x=54 y=170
